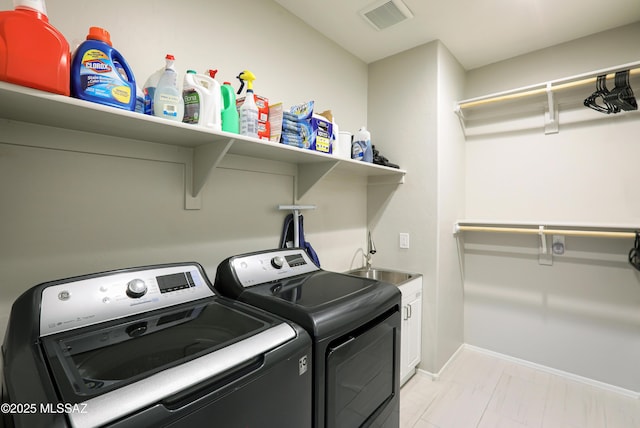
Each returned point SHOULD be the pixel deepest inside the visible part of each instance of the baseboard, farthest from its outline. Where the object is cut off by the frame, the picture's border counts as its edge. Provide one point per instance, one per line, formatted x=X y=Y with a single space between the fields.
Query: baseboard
x=550 y=370
x=436 y=376
x=525 y=363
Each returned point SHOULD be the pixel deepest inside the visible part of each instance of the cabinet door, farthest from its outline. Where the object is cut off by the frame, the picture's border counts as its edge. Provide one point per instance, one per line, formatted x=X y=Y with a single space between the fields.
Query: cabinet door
x=410 y=352
x=414 y=331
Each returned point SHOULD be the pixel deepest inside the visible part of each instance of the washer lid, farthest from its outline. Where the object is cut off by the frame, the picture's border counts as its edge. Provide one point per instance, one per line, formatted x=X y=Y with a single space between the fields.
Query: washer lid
x=95 y=363
x=319 y=289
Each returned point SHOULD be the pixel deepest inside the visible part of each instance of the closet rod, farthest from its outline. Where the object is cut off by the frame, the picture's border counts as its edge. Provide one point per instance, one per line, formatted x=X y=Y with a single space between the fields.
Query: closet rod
x=545 y=231
x=539 y=91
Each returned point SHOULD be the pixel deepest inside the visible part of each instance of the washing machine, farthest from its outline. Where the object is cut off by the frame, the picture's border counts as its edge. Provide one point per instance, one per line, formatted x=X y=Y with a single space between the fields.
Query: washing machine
x=354 y=324
x=151 y=347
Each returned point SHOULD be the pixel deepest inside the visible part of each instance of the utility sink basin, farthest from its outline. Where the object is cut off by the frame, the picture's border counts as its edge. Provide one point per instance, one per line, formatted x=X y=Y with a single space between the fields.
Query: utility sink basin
x=384 y=275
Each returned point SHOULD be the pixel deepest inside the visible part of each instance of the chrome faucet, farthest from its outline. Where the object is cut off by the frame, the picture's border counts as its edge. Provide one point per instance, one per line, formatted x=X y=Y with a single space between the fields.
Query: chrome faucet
x=371 y=250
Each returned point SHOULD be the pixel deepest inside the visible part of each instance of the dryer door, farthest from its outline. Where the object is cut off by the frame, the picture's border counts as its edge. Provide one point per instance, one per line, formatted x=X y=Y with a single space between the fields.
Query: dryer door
x=362 y=377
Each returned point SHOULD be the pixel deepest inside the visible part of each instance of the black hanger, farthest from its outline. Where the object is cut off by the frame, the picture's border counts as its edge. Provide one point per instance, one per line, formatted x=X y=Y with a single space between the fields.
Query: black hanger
x=622 y=95
x=634 y=254
x=601 y=93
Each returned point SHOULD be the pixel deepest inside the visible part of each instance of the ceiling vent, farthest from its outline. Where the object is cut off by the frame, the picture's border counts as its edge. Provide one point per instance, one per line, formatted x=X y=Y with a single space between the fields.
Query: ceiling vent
x=385 y=13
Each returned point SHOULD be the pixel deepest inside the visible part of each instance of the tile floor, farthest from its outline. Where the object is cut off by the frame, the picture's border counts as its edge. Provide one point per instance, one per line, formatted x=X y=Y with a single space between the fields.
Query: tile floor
x=481 y=391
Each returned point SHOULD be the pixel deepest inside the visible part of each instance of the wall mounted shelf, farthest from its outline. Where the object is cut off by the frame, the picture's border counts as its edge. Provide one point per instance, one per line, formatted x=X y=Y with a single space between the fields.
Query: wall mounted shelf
x=500 y=111
x=201 y=149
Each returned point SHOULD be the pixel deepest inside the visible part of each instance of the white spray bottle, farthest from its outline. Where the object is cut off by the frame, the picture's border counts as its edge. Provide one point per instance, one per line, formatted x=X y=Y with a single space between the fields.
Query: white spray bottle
x=248 y=109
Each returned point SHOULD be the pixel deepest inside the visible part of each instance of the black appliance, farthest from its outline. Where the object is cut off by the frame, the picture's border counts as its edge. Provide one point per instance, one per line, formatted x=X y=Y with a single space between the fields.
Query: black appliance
x=354 y=324
x=151 y=347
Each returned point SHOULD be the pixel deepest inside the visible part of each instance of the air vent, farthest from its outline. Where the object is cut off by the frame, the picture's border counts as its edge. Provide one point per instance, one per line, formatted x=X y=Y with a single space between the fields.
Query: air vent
x=385 y=13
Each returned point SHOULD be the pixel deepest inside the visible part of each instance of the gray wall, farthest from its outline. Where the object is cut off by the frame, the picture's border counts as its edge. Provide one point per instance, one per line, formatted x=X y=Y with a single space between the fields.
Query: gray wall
x=412 y=123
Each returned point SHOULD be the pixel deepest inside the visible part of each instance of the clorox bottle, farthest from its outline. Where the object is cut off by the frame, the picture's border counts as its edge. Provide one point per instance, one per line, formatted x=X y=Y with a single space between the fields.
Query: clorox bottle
x=201 y=96
x=100 y=74
x=167 y=101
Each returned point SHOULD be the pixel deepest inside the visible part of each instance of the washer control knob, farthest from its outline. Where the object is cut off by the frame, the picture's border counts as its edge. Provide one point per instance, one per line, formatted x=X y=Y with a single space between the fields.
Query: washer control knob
x=277 y=262
x=136 y=288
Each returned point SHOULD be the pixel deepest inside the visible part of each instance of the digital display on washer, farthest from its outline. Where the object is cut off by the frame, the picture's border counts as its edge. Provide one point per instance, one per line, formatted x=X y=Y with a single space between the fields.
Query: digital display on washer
x=175 y=281
x=295 y=260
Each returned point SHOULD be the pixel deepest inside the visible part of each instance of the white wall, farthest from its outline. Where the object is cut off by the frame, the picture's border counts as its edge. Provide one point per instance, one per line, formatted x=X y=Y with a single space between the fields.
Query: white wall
x=581 y=314
x=66 y=213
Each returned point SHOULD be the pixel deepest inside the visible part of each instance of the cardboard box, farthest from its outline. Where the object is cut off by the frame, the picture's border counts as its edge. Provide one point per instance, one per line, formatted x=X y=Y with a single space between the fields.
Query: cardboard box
x=321 y=131
x=275 y=121
x=264 y=130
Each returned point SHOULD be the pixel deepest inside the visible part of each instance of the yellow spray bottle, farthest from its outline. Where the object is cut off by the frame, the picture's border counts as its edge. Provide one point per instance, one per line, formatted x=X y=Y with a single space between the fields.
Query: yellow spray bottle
x=248 y=109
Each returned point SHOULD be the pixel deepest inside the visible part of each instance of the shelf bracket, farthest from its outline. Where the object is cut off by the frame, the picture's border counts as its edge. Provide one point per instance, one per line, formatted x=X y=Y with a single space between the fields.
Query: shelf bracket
x=544 y=256
x=458 y=111
x=377 y=180
x=204 y=160
x=551 y=116
x=310 y=173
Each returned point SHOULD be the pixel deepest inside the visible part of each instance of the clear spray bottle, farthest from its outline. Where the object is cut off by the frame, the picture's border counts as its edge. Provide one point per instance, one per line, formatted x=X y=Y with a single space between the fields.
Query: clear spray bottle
x=248 y=109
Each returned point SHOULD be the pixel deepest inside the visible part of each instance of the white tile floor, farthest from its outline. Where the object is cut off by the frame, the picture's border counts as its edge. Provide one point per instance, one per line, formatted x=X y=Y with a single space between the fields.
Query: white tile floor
x=481 y=391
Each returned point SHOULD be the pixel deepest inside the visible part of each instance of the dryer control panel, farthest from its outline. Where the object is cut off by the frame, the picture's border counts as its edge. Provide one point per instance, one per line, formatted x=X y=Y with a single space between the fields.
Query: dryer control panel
x=259 y=268
x=79 y=302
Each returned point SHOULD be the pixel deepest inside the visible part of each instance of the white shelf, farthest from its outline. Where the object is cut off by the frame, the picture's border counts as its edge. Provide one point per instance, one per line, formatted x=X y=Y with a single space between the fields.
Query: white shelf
x=32 y=106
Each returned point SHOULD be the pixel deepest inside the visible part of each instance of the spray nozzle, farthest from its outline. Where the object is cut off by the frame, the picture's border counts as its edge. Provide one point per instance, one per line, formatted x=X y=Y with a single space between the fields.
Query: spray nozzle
x=246 y=76
x=212 y=73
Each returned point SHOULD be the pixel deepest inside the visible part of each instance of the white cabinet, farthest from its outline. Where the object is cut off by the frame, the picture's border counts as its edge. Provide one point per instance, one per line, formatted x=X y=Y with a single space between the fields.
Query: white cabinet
x=410 y=347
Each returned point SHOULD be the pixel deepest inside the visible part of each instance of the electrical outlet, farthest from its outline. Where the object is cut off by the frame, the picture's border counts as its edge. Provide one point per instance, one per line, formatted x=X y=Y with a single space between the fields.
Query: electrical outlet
x=404 y=240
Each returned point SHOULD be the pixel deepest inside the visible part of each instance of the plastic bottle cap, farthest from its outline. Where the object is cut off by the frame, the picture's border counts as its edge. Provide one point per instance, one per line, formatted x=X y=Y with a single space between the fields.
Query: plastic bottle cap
x=34 y=5
x=170 y=57
x=97 y=33
x=212 y=73
x=191 y=72
x=227 y=83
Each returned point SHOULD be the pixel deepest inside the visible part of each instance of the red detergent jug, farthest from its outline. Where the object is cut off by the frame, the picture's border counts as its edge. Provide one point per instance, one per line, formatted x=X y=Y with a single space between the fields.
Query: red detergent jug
x=32 y=52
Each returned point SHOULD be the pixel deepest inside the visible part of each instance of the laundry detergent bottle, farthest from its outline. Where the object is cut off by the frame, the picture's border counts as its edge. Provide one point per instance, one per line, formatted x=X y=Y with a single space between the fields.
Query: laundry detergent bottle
x=167 y=101
x=230 y=117
x=32 y=52
x=100 y=74
x=149 y=90
x=361 y=147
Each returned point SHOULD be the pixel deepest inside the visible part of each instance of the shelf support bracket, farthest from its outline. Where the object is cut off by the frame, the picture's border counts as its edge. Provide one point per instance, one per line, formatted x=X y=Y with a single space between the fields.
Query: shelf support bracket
x=204 y=160
x=551 y=116
x=310 y=173
x=458 y=111
x=544 y=256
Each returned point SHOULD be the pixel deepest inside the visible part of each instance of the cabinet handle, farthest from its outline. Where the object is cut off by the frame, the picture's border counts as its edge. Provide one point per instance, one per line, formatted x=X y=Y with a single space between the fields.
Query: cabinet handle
x=406 y=313
x=410 y=310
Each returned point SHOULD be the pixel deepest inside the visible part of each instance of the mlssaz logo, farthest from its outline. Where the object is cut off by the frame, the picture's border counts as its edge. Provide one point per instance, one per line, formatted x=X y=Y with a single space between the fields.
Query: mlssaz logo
x=97 y=66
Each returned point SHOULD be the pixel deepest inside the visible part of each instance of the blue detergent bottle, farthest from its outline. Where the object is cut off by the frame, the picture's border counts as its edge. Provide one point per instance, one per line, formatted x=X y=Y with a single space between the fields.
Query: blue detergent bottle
x=100 y=74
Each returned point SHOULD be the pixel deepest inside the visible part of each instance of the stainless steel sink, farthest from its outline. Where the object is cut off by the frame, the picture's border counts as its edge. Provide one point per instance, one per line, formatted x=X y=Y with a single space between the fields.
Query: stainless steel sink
x=384 y=275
